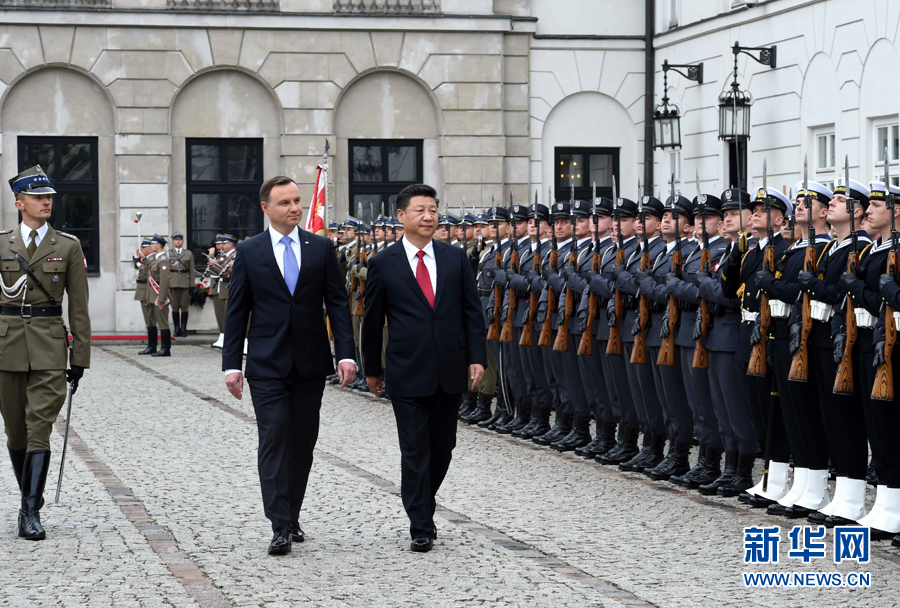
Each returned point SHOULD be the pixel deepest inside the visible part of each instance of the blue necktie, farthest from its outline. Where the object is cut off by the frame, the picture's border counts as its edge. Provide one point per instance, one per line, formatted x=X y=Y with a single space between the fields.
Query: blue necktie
x=291 y=269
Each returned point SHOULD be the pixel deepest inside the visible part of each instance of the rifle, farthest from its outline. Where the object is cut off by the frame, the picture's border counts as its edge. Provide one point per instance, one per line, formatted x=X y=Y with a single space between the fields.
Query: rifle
x=639 y=354
x=562 y=334
x=586 y=347
x=614 y=346
x=353 y=279
x=494 y=329
x=757 y=365
x=362 y=257
x=507 y=334
x=843 y=379
x=800 y=365
x=701 y=353
x=546 y=337
x=465 y=228
x=667 y=347
x=883 y=388
x=527 y=338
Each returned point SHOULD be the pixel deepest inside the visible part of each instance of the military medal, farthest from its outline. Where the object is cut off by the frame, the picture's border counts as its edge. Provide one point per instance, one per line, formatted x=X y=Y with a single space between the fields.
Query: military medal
x=54 y=278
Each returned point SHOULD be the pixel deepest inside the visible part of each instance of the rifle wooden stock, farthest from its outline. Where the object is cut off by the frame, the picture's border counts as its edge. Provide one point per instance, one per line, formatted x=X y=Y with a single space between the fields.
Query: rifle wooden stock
x=546 y=338
x=586 y=347
x=506 y=335
x=701 y=353
x=494 y=330
x=527 y=338
x=562 y=333
x=757 y=365
x=800 y=364
x=667 y=347
x=843 y=379
x=360 y=308
x=883 y=388
x=614 y=346
x=639 y=354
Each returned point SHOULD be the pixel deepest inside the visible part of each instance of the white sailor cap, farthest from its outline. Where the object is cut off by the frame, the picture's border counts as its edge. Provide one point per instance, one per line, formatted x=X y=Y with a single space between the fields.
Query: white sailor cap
x=779 y=200
x=859 y=192
x=815 y=190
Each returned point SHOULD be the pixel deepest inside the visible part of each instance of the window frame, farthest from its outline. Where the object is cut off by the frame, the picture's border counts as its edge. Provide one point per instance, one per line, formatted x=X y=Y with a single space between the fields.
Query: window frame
x=223 y=186
x=673 y=14
x=891 y=123
x=63 y=187
x=584 y=192
x=383 y=188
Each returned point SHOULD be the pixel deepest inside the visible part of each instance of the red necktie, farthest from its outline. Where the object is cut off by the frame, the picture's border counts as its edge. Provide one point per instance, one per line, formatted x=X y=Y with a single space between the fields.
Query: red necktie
x=424 y=279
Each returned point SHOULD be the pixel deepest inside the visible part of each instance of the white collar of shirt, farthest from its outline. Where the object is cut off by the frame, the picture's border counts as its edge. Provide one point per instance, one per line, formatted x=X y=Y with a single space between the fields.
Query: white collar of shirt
x=430 y=263
x=278 y=246
x=26 y=233
x=583 y=241
x=523 y=239
x=711 y=241
x=671 y=246
x=563 y=244
x=628 y=240
x=650 y=241
x=762 y=243
x=604 y=240
x=412 y=251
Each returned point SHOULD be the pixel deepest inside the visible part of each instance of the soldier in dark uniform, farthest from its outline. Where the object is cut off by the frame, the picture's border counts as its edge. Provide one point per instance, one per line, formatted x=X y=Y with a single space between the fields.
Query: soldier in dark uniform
x=881 y=416
x=739 y=280
x=624 y=413
x=640 y=376
x=141 y=262
x=40 y=268
x=669 y=379
x=182 y=267
x=800 y=411
x=708 y=213
x=221 y=270
x=843 y=420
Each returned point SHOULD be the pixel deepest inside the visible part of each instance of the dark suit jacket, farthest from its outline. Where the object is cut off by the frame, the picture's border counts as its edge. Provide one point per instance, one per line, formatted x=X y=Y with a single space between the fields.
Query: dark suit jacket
x=286 y=331
x=426 y=348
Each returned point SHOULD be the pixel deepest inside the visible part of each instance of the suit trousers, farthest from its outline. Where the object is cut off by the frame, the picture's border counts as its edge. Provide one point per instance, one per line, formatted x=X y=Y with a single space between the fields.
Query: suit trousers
x=728 y=388
x=30 y=402
x=634 y=387
x=553 y=375
x=670 y=386
x=608 y=399
x=696 y=384
x=558 y=370
x=426 y=427
x=515 y=374
x=576 y=383
x=590 y=369
x=843 y=420
x=287 y=420
x=537 y=382
x=616 y=372
x=650 y=394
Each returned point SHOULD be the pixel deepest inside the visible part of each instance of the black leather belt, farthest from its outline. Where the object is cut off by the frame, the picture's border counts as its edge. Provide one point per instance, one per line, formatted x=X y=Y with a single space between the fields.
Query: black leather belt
x=28 y=311
x=140 y=281
x=485 y=292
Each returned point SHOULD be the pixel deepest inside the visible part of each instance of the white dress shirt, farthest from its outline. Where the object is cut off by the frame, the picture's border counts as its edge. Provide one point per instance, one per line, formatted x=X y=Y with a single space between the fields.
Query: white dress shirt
x=412 y=255
x=26 y=234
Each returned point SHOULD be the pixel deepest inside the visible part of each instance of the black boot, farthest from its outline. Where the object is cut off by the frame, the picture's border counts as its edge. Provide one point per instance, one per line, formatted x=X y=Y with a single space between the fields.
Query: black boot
x=467 y=403
x=743 y=478
x=34 y=478
x=625 y=449
x=681 y=480
x=540 y=423
x=561 y=427
x=712 y=469
x=649 y=456
x=184 y=318
x=579 y=436
x=482 y=410
x=711 y=488
x=18 y=463
x=679 y=454
x=176 y=324
x=871 y=476
x=497 y=416
x=523 y=417
x=166 y=348
x=607 y=438
x=594 y=447
x=151 y=342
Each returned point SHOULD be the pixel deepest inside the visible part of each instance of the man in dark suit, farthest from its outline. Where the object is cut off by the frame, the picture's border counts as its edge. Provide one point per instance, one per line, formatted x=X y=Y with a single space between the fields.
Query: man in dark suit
x=435 y=352
x=281 y=280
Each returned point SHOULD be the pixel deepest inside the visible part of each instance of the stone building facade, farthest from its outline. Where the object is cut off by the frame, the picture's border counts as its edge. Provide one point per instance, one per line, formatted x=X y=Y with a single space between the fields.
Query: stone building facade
x=177 y=109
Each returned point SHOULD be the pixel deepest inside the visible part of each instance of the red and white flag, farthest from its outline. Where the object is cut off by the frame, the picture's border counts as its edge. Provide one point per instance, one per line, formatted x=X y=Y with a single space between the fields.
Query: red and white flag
x=315 y=221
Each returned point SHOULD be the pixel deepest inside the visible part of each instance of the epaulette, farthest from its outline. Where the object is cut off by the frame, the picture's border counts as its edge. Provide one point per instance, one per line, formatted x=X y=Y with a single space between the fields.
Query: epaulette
x=67 y=235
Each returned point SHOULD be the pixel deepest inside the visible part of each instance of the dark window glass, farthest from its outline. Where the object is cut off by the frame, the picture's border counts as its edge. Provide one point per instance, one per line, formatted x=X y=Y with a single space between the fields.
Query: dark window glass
x=223 y=190
x=379 y=169
x=71 y=165
x=581 y=168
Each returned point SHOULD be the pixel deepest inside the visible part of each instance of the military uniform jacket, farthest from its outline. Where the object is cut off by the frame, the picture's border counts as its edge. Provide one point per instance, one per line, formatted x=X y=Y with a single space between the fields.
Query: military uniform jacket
x=688 y=293
x=866 y=293
x=362 y=273
x=555 y=281
x=182 y=268
x=723 y=332
x=521 y=283
x=629 y=287
x=40 y=343
x=654 y=287
x=485 y=283
x=739 y=280
x=222 y=266
x=141 y=283
x=526 y=260
x=160 y=271
x=578 y=283
x=602 y=284
x=784 y=284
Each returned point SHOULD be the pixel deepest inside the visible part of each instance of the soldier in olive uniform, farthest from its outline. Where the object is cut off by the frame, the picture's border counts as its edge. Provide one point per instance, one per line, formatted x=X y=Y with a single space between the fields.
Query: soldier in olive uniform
x=221 y=269
x=181 y=281
x=39 y=267
x=142 y=284
x=158 y=295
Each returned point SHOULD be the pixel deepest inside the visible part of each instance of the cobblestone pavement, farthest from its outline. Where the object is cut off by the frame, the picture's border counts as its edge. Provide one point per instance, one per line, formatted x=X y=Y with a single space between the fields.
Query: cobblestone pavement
x=161 y=507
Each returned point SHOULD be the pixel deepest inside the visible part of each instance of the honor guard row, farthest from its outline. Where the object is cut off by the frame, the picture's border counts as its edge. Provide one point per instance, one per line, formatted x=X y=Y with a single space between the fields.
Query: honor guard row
x=40 y=270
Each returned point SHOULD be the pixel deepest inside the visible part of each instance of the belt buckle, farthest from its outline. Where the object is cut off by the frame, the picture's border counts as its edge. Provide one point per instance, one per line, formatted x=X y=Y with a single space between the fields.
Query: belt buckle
x=26 y=311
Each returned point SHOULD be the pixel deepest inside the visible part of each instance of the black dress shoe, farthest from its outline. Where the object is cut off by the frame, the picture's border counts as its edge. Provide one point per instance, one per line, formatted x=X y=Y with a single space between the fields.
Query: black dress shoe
x=421 y=545
x=871 y=476
x=896 y=541
x=281 y=542
x=297 y=535
x=776 y=509
x=760 y=502
x=796 y=512
x=817 y=517
x=881 y=534
x=836 y=520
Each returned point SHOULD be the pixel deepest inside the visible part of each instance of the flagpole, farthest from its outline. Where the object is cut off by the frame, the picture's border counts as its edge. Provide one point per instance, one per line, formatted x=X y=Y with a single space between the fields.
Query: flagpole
x=325 y=186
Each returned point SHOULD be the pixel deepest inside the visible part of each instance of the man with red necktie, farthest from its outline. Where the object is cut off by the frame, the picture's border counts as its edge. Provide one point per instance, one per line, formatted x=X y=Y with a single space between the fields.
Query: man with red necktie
x=435 y=352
